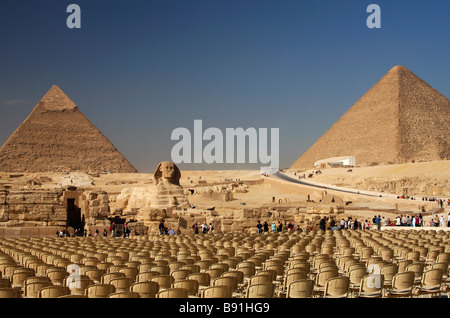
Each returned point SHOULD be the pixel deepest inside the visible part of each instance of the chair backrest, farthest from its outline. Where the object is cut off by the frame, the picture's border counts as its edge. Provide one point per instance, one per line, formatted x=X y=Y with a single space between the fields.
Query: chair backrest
x=230 y=281
x=146 y=289
x=31 y=290
x=100 y=290
x=389 y=270
x=261 y=290
x=337 y=287
x=417 y=268
x=192 y=267
x=131 y=272
x=53 y=291
x=124 y=294
x=191 y=285
x=238 y=274
x=203 y=279
x=403 y=281
x=146 y=276
x=322 y=277
x=300 y=289
x=164 y=281
x=443 y=257
x=402 y=265
x=260 y=279
x=121 y=283
x=218 y=291
x=5 y=283
x=356 y=274
x=106 y=278
x=289 y=278
x=432 y=278
x=173 y=293
x=10 y=293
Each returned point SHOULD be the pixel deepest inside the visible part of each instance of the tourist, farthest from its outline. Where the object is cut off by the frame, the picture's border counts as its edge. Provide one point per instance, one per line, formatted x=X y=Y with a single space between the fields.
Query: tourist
x=172 y=231
x=211 y=228
x=322 y=224
x=266 y=227
x=105 y=233
x=448 y=220
x=259 y=227
x=441 y=221
x=161 y=227
x=280 y=227
x=378 y=221
x=274 y=227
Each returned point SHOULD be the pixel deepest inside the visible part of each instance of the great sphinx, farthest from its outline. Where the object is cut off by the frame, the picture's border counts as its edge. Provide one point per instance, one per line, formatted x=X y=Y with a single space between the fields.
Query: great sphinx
x=153 y=201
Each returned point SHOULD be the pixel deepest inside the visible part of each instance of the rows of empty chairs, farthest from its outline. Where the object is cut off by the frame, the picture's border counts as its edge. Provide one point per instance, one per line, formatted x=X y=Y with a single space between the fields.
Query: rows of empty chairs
x=235 y=265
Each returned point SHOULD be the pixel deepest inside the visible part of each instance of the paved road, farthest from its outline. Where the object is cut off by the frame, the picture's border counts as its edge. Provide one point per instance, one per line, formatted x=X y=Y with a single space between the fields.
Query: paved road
x=286 y=177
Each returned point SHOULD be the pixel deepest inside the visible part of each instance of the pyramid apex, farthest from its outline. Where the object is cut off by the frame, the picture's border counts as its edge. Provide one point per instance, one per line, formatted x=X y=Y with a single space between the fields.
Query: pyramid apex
x=56 y=100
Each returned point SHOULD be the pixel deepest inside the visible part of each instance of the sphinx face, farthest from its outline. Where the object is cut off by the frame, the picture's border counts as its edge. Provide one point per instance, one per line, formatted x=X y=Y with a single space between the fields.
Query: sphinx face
x=167 y=170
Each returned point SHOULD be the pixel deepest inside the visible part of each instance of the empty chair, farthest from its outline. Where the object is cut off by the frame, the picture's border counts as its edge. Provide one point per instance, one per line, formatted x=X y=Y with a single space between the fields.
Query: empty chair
x=214 y=272
x=289 y=278
x=73 y=296
x=121 y=284
x=261 y=290
x=53 y=291
x=164 y=281
x=443 y=257
x=130 y=272
x=5 y=283
x=190 y=285
x=431 y=283
x=371 y=286
x=402 y=265
x=78 y=284
x=337 y=287
x=203 y=279
x=146 y=276
x=230 y=281
x=239 y=276
x=218 y=291
x=402 y=285
x=355 y=276
x=300 y=289
x=146 y=289
x=192 y=267
x=260 y=279
x=180 y=274
x=57 y=275
x=322 y=278
x=388 y=271
x=173 y=293
x=95 y=274
x=417 y=268
x=106 y=278
x=100 y=290
x=10 y=293
x=19 y=276
x=124 y=294
x=32 y=289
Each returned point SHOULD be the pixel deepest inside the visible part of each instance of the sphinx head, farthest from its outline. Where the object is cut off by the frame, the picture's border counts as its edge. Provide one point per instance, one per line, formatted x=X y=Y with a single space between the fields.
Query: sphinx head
x=167 y=172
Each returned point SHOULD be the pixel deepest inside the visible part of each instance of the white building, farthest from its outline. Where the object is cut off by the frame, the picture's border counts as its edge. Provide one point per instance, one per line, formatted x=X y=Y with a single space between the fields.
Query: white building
x=349 y=161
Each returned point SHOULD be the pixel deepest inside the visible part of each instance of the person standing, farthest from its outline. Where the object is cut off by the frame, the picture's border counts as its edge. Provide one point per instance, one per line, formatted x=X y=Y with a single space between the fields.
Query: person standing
x=274 y=227
x=259 y=227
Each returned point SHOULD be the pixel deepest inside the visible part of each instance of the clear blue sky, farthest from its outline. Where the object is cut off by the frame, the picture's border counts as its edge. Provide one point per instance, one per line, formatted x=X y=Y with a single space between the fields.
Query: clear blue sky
x=140 y=69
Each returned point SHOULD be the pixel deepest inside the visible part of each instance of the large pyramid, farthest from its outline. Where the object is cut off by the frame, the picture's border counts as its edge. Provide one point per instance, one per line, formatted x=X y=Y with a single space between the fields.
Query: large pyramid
x=400 y=119
x=57 y=137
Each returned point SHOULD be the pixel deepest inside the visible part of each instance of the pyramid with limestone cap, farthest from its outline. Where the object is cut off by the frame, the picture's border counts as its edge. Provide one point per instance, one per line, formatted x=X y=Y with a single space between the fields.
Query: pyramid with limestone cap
x=57 y=137
x=400 y=119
